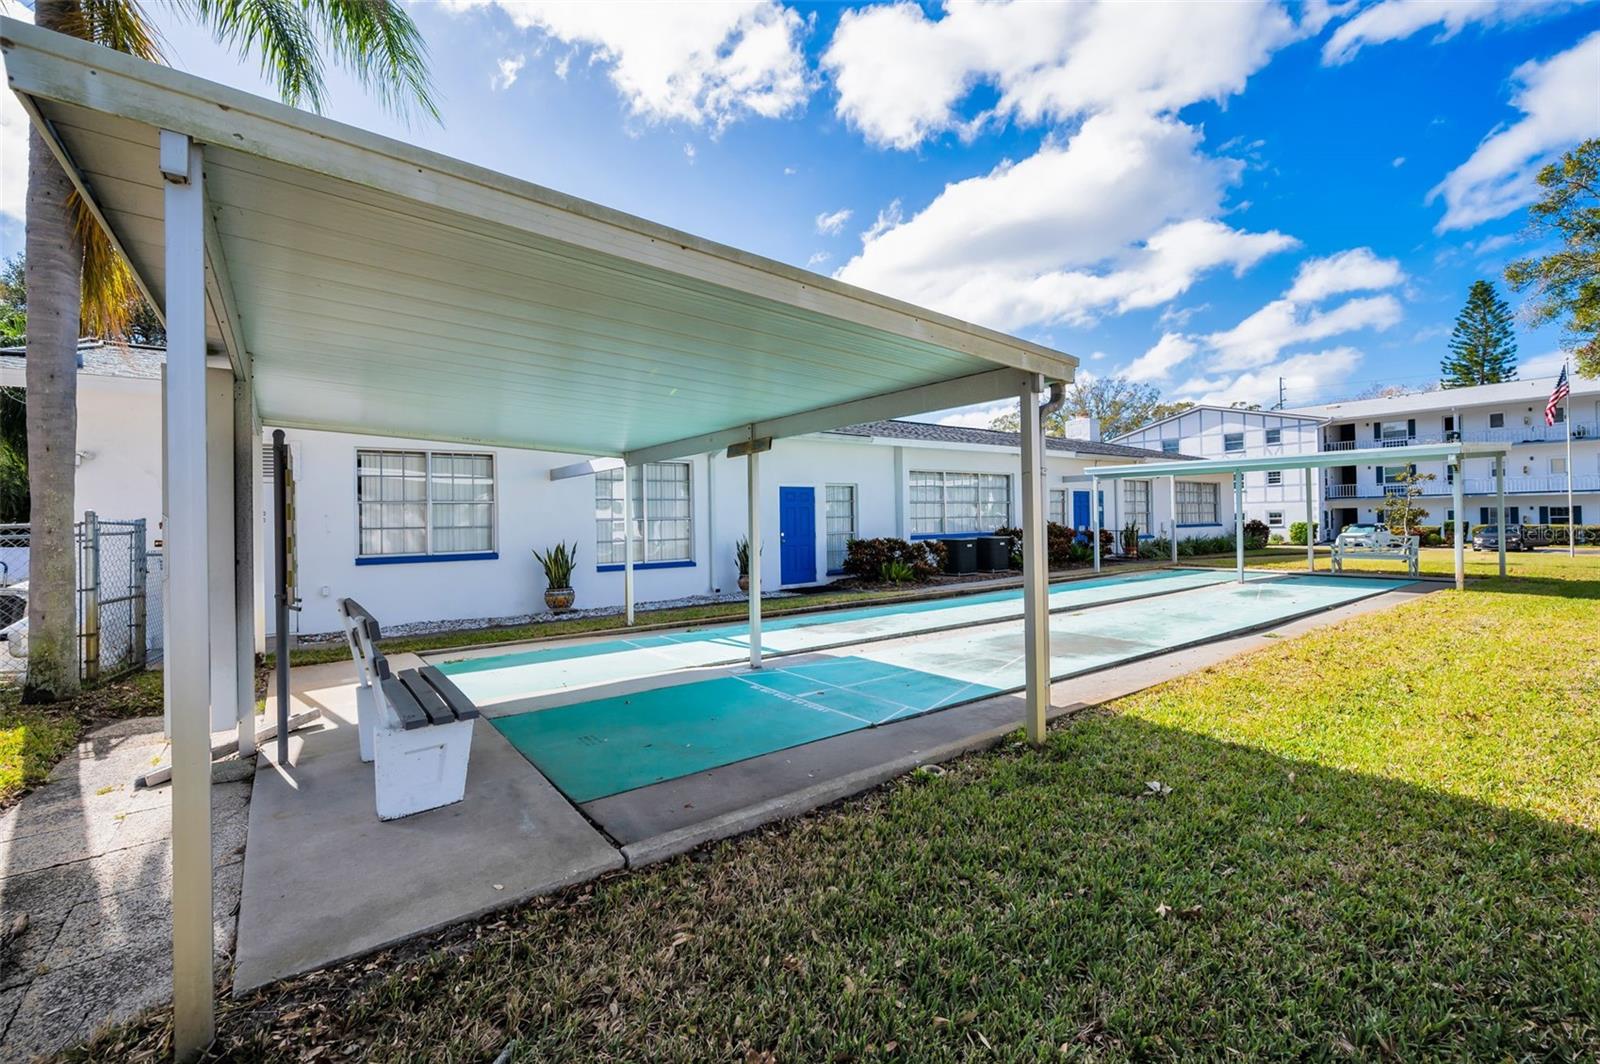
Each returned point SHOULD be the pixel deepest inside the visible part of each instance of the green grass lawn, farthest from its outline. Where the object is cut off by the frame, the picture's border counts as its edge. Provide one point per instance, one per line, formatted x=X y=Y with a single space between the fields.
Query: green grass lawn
x=34 y=738
x=1376 y=841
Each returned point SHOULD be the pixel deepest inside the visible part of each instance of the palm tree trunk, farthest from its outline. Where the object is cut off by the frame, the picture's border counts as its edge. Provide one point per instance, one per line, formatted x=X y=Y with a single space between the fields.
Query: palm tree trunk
x=54 y=263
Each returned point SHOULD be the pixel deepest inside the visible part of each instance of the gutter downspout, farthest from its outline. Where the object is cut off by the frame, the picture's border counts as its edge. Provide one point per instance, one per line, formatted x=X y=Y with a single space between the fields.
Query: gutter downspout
x=1057 y=399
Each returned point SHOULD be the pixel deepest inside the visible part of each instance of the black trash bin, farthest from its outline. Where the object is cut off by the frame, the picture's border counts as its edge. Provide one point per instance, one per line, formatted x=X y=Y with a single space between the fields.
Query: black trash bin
x=961 y=556
x=994 y=554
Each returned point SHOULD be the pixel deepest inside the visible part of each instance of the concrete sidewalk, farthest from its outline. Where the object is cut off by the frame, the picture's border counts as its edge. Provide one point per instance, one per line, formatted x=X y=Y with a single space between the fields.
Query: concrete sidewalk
x=88 y=860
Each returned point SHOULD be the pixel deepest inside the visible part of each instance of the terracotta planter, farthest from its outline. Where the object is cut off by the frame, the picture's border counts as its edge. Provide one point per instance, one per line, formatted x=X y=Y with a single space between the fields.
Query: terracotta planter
x=559 y=599
x=744 y=584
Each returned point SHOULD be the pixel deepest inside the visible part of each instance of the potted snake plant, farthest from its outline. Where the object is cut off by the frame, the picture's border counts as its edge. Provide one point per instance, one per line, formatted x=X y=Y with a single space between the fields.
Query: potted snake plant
x=741 y=555
x=558 y=563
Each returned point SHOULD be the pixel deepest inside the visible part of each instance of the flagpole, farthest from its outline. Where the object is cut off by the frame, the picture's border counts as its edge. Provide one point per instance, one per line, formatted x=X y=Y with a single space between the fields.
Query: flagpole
x=1572 y=523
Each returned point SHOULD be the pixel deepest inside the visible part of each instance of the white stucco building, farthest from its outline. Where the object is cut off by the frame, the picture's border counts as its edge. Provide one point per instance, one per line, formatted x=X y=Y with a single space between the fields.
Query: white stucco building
x=1275 y=498
x=422 y=532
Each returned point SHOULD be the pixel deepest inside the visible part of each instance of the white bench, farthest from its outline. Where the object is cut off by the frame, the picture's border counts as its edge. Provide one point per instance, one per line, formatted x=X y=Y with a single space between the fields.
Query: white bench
x=1406 y=550
x=415 y=726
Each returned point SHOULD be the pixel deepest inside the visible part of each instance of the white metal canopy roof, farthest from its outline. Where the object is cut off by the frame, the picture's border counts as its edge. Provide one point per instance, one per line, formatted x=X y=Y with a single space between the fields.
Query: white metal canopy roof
x=371 y=286
x=1421 y=452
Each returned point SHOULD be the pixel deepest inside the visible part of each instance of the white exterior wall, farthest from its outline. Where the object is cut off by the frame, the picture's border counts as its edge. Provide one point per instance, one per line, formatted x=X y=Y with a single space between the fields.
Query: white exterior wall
x=1534 y=476
x=1201 y=433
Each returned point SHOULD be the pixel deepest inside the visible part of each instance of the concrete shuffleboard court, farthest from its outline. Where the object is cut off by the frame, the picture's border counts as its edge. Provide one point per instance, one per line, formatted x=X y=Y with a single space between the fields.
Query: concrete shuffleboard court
x=604 y=746
x=499 y=678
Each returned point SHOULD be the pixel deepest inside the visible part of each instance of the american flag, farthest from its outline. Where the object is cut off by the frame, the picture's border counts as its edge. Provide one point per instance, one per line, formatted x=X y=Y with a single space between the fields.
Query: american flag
x=1556 y=397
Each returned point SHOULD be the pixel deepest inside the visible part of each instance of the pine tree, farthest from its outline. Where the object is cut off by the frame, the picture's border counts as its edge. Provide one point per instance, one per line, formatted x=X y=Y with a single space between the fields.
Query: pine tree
x=1482 y=347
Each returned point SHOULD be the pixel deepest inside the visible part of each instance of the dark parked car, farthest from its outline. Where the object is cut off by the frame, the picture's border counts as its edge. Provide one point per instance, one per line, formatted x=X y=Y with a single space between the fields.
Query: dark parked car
x=1488 y=538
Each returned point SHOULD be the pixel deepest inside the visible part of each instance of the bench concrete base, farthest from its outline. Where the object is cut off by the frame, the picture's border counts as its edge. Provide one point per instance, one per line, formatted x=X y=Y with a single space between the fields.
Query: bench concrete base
x=419 y=769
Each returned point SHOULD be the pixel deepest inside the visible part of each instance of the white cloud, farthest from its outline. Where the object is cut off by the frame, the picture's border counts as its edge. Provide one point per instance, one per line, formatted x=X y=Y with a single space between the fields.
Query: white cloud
x=1399 y=161
x=689 y=153
x=817 y=260
x=506 y=73
x=704 y=64
x=974 y=417
x=1356 y=270
x=902 y=76
x=1117 y=218
x=1258 y=339
x=1157 y=363
x=1310 y=374
x=1394 y=20
x=1546 y=365
x=830 y=223
x=1560 y=102
x=14 y=142
x=563 y=66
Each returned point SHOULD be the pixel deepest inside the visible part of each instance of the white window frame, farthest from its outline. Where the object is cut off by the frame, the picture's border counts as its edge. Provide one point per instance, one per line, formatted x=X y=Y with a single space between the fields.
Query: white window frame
x=1497 y=421
x=1274 y=478
x=1558 y=466
x=1138 y=498
x=1275 y=518
x=1227 y=443
x=1387 y=438
x=1274 y=437
x=612 y=554
x=1193 y=503
x=946 y=481
x=827 y=524
x=428 y=502
x=1056 y=511
x=1171 y=446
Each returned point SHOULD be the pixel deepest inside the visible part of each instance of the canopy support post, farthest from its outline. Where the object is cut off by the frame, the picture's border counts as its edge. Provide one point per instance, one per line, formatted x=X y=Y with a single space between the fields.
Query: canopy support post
x=246 y=459
x=1172 y=501
x=753 y=539
x=627 y=542
x=1238 y=523
x=1500 y=507
x=1311 y=522
x=188 y=671
x=1094 y=519
x=1458 y=498
x=1035 y=565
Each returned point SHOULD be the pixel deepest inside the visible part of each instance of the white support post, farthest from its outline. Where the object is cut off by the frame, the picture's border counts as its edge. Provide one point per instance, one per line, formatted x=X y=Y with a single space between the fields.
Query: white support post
x=1035 y=565
x=221 y=539
x=1094 y=518
x=187 y=666
x=627 y=542
x=245 y=462
x=1311 y=521
x=1500 y=507
x=1458 y=498
x=1238 y=523
x=1172 y=501
x=753 y=532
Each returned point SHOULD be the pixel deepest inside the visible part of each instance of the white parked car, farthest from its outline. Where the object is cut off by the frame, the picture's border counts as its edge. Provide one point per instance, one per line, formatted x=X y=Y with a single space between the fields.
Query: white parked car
x=1369 y=537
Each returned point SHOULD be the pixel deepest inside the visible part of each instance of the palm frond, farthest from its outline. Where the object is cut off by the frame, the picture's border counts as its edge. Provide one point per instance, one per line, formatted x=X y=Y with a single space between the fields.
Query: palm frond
x=377 y=42
x=120 y=25
x=109 y=293
x=280 y=32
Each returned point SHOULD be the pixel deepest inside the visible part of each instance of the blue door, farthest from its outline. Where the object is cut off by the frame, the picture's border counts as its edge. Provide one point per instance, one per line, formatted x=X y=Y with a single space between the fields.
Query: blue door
x=797 y=534
x=1081 y=517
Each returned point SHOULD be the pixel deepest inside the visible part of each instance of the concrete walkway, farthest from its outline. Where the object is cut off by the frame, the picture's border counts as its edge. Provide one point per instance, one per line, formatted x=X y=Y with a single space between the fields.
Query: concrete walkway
x=88 y=860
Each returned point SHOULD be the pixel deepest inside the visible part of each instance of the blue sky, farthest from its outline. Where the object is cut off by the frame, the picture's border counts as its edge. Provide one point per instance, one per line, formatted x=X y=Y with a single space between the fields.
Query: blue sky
x=1205 y=196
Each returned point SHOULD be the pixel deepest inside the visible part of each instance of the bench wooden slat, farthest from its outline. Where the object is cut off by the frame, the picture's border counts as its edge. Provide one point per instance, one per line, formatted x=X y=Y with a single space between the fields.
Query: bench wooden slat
x=459 y=703
x=405 y=704
x=358 y=613
x=434 y=706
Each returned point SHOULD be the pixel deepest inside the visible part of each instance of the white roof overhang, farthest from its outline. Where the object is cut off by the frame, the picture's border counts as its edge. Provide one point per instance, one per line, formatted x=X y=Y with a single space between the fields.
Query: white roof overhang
x=368 y=285
x=1422 y=452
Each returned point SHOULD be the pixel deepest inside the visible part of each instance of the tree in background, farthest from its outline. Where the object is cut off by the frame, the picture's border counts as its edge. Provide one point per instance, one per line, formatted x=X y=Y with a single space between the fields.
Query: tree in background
x=1565 y=286
x=13 y=303
x=1402 y=510
x=77 y=283
x=1482 y=347
x=1121 y=406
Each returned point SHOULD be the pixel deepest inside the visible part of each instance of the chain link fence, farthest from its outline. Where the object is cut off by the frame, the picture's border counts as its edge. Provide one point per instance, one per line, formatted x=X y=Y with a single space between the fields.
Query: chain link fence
x=118 y=605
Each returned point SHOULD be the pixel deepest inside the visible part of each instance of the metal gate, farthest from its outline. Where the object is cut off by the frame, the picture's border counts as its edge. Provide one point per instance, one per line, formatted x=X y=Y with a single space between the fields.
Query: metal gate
x=114 y=599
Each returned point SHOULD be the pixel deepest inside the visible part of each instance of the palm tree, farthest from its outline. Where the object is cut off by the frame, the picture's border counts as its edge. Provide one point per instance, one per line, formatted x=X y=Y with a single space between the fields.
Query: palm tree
x=76 y=282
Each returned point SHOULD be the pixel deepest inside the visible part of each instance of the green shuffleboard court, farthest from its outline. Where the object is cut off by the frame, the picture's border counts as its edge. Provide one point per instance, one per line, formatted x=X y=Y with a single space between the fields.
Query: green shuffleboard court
x=605 y=746
x=528 y=673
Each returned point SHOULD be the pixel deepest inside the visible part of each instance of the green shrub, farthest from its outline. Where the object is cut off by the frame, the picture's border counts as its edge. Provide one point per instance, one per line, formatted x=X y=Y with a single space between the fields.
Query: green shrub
x=1255 y=534
x=897 y=573
x=1275 y=538
x=1159 y=547
x=867 y=558
x=1297 y=533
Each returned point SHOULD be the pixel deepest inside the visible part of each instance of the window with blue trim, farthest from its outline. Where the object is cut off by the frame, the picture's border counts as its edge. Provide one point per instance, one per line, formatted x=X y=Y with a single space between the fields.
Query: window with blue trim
x=959 y=502
x=424 y=503
x=663 y=514
x=1197 y=502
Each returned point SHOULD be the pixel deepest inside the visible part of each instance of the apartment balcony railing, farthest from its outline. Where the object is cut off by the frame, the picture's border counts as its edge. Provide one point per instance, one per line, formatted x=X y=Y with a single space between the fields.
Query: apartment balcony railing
x=1532 y=485
x=1512 y=435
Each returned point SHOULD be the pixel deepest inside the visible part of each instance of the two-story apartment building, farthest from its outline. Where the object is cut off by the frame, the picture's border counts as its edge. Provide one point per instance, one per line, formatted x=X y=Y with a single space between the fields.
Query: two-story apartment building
x=1511 y=413
x=1276 y=498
